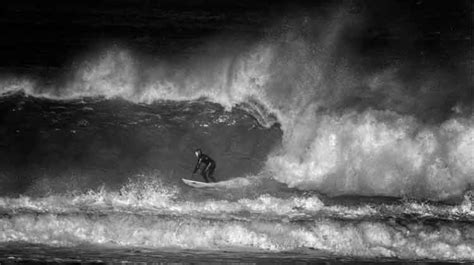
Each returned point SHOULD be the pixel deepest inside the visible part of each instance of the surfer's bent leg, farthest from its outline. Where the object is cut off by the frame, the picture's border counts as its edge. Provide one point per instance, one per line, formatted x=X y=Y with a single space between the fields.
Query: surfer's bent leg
x=204 y=174
x=210 y=171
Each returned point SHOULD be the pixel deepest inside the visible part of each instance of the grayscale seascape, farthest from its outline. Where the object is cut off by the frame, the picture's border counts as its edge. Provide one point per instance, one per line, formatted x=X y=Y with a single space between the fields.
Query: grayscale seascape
x=343 y=132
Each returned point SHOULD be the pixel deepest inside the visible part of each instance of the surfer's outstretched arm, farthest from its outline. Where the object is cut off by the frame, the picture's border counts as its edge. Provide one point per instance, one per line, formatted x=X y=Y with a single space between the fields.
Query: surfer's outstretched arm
x=197 y=165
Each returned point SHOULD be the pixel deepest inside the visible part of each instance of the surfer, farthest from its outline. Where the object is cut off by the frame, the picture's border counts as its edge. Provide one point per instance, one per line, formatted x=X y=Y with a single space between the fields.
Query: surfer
x=209 y=165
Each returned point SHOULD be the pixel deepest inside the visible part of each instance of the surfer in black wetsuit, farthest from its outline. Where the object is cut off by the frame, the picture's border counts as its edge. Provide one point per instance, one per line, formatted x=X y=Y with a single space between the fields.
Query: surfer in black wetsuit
x=209 y=165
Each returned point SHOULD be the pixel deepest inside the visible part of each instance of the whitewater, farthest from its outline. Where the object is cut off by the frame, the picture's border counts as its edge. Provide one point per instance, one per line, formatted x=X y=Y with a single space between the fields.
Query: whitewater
x=317 y=157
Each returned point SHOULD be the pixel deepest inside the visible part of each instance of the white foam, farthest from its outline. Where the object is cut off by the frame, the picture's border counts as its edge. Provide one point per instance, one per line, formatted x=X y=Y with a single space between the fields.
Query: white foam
x=342 y=238
x=379 y=153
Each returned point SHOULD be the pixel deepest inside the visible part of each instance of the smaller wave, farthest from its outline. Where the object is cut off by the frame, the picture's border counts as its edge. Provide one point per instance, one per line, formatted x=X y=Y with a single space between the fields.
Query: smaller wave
x=152 y=196
x=406 y=240
x=147 y=213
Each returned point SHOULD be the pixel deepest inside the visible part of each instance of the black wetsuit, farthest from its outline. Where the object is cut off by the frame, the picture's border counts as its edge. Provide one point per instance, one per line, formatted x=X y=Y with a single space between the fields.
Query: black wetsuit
x=208 y=169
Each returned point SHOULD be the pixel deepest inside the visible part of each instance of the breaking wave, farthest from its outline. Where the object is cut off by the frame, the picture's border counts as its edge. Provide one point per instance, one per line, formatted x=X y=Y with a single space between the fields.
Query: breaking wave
x=379 y=153
x=345 y=131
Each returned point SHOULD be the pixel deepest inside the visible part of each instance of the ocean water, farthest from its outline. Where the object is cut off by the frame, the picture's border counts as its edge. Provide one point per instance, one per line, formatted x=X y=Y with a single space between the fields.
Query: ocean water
x=323 y=155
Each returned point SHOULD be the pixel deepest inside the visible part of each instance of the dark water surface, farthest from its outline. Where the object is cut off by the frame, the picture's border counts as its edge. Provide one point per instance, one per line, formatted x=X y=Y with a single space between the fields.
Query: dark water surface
x=38 y=253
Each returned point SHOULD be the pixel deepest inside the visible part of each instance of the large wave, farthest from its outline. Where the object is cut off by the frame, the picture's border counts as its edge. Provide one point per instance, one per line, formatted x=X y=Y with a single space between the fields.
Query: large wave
x=346 y=130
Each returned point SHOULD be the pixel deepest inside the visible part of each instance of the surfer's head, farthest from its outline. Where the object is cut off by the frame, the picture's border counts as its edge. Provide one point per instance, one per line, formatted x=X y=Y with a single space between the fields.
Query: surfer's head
x=198 y=152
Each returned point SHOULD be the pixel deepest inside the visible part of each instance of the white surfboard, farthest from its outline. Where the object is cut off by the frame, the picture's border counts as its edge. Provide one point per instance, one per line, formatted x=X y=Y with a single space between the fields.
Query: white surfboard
x=225 y=184
x=199 y=184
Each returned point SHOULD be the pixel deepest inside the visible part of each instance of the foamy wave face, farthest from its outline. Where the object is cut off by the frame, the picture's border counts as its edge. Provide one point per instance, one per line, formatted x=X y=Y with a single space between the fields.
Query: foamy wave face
x=379 y=153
